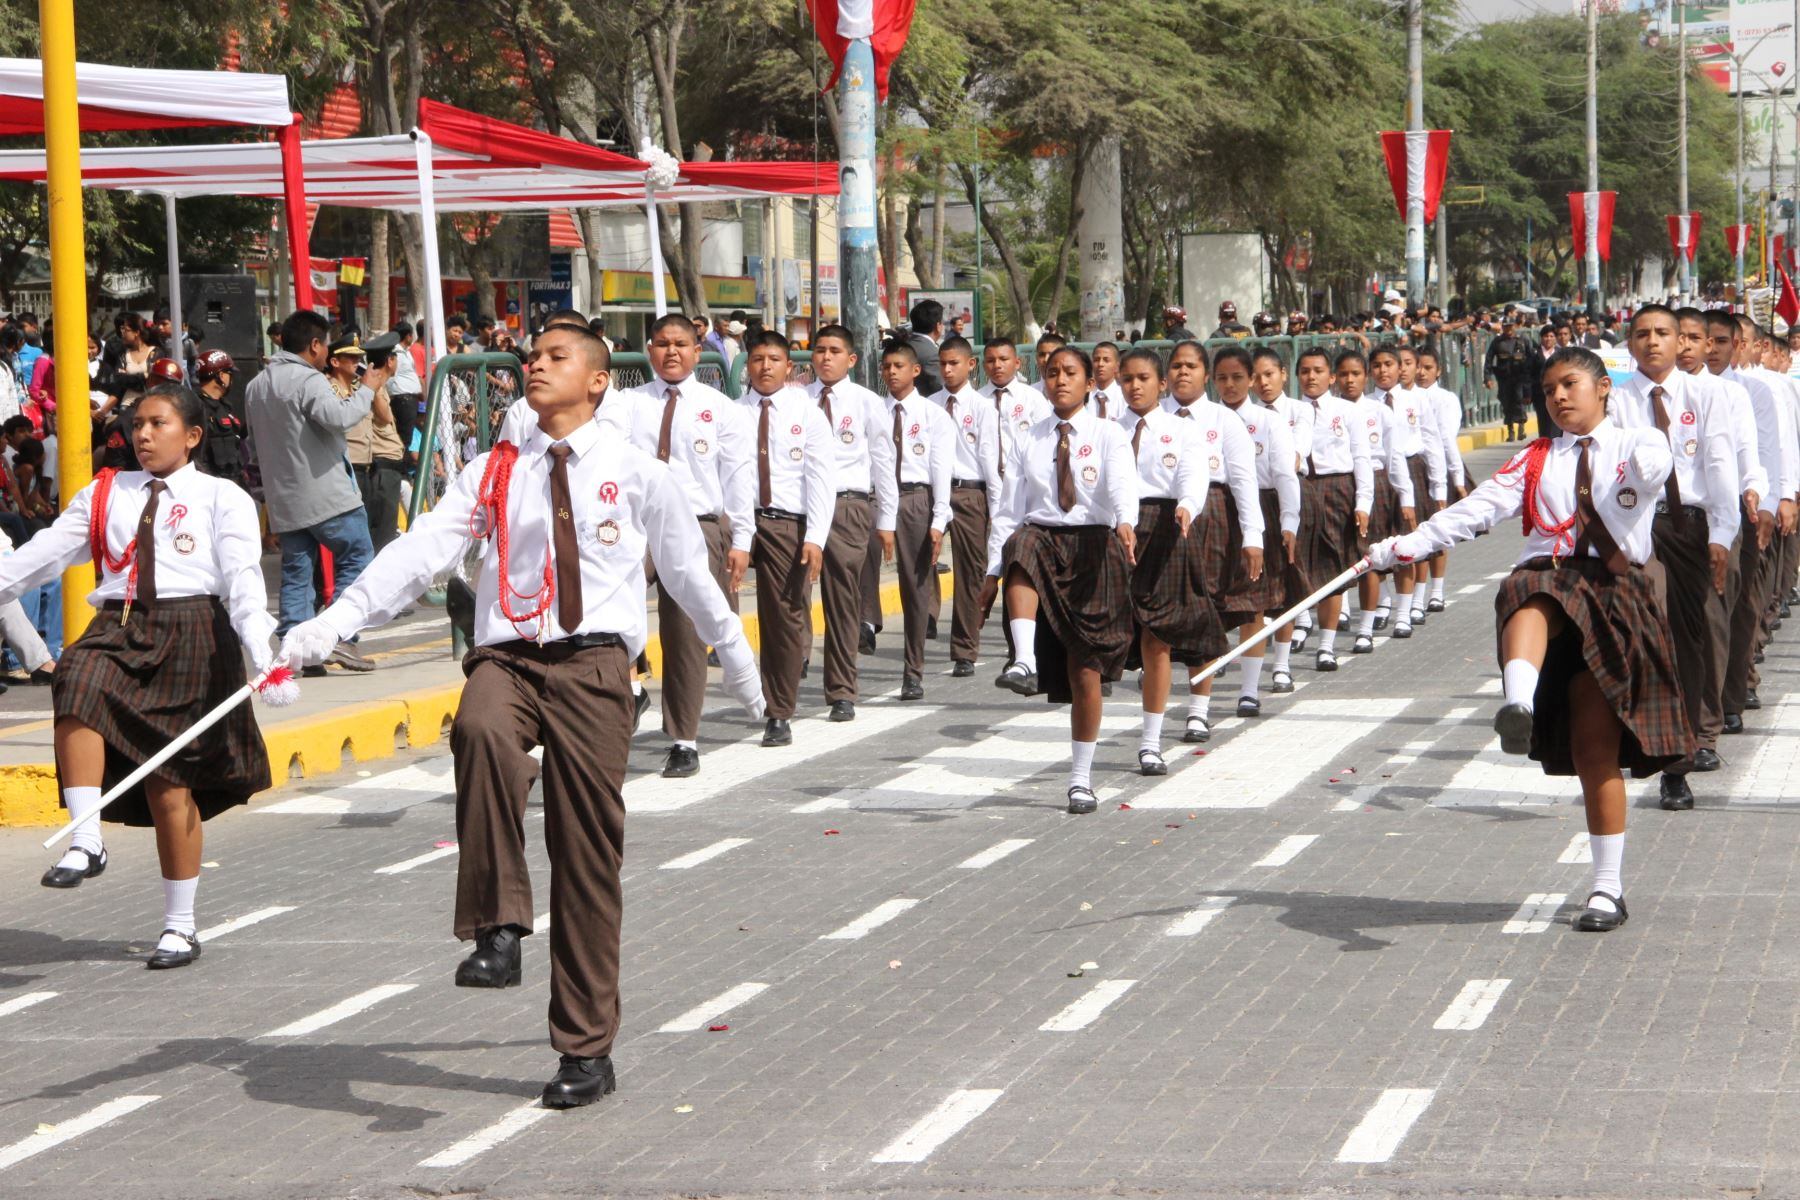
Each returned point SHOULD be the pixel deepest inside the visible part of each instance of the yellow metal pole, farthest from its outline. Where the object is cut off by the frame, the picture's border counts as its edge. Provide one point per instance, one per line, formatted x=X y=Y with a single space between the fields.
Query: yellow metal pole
x=68 y=283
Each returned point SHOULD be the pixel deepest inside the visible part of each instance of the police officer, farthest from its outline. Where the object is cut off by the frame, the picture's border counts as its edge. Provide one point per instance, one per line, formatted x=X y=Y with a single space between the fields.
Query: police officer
x=222 y=453
x=1509 y=363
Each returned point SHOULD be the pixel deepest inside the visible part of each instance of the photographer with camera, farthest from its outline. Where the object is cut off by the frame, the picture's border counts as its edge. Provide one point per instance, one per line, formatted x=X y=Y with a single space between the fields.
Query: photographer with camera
x=377 y=455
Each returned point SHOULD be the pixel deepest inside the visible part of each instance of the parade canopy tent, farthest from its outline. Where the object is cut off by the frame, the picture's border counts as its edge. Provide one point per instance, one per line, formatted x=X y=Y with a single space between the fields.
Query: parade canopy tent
x=452 y=161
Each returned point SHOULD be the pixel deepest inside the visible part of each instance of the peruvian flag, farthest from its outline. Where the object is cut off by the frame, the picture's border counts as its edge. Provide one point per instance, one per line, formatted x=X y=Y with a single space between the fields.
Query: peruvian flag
x=1735 y=237
x=884 y=22
x=1684 y=234
x=1788 y=307
x=1600 y=206
x=1416 y=163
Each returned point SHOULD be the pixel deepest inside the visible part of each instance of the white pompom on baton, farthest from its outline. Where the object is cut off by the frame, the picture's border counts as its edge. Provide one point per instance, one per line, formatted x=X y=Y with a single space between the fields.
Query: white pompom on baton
x=1268 y=631
x=276 y=686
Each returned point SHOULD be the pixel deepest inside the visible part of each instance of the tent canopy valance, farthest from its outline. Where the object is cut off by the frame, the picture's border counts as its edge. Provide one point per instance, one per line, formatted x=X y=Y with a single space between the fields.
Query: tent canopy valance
x=114 y=98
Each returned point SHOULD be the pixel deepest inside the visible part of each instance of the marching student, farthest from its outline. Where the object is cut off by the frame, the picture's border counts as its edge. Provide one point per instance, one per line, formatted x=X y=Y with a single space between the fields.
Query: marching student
x=701 y=431
x=1424 y=457
x=868 y=496
x=1017 y=405
x=1231 y=550
x=1063 y=540
x=1586 y=661
x=925 y=444
x=1393 y=496
x=1268 y=387
x=1386 y=369
x=796 y=496
x=1107 y=398
x=1447 y=414
x=1337 y=493
x=1697 y=513
x=974 y=490
x=567 y=516
x=181 y=601
x=1278 y=486
x=1047 y=344
x=1175 y=617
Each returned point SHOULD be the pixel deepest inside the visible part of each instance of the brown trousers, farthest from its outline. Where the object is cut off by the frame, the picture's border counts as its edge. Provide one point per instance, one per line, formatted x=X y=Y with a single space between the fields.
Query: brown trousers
x=576 y=703
x=1681 y=549
x=840 y=588
x=683 y=653
x=917 y=570
x=1757 y=569
x=871 y=584
x=968 y=559
x=783 y=613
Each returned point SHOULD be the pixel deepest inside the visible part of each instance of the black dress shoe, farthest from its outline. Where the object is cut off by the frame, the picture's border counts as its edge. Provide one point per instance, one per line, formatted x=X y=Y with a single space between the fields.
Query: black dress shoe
x=1151 y=762
x=1757 y=658
x=1249 y=706
x=681 y=763
x=1599 y=920
x=1019 y=678
x=911 y=688
x=168 y=960
x=1082 y=801
x=843 y=710
x=316 y=671
x=1706 y=760
x=931 y=629
x=1381 y=623
x=778 y=733
x=68 y=877
x=712 y=657
x=1677 y=796
x=43 y=677
x=1435 y=604
x=961 y=669
x=1513 y=724
x=495 y=961
x=1787 y=610
x=805 y=667
x=580 y=1081
x=1751 y=700
x=865 y=641
x=640 y=705
x=1734 y=723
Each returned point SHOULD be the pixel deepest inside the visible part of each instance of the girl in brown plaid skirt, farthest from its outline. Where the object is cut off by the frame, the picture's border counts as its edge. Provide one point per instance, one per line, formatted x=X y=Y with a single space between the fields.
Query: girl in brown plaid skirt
x=1586 y=660
x=178 y=555
x=1393 y=502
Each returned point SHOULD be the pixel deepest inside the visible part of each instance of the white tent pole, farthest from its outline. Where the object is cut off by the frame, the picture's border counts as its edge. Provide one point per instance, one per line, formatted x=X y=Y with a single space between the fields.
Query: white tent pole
x=174 y=279
x=656 y=258
x=434 y=280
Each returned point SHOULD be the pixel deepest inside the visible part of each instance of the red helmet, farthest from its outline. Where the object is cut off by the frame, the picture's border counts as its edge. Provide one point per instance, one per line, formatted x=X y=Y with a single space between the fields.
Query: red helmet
x=167 y=370
x=211 y=365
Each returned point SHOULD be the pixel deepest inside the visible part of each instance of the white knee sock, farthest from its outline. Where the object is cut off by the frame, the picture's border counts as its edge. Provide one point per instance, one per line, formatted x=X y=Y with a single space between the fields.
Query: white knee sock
x=1518 y=681
x=84 y=806
x=1403 y=602
x=178 y=910
x=1024 y=635
x=688 y=745
x=1609 y=865
x=1437 y=587
x=1365 y=623
x=1081 y=763
x=1328 y=639
x=1152 y=739
x=1304 y=621
x=1199 y=706
x=637 y=687
x=1249 y=676
x=1284 y=649
x=1386 y=602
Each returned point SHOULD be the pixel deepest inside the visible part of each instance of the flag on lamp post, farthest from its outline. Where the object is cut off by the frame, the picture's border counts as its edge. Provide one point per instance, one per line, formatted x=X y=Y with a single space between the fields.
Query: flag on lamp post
x=1788 y=307
x=884 y=22
x=1416 y=163
x=1684 y=234
x=1735 y=237
x=1603 y=209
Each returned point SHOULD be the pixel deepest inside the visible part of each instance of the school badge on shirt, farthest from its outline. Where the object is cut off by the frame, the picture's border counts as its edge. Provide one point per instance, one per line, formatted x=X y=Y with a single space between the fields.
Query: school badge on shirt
x=184 y=543
x=607 y=532
x=845 y=434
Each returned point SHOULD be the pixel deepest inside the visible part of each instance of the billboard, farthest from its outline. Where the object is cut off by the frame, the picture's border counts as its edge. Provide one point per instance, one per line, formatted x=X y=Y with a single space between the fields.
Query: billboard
x=1756 y=28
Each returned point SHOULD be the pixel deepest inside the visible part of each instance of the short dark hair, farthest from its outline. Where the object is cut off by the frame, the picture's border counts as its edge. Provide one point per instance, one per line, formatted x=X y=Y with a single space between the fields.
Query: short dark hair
x=1312 y=352
x=1080 y=356
x=1688 y=312
x=186 y=404
x=1051 y=339
x=765 y=337
x=956 y=345
x=1718 y=317
x=403 y=328
x=1428 y=352
x=1198 y=348
x=1651 y=309
x=1267 y=352
x=999 y=343
x=835 y=330
x=1143 y=354
x=301 y=329
x=15 y=425
x=1344 y=356
x=671 y=321
x=456 y=319
x=926 y=316
x=598 y=355
x=1580 y=356
x=1099 y=346
x=1236 y=354
x=899 y=348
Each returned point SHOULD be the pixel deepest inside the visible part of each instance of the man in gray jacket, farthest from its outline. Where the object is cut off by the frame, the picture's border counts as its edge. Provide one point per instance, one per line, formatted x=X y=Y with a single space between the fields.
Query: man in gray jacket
x=297 y=425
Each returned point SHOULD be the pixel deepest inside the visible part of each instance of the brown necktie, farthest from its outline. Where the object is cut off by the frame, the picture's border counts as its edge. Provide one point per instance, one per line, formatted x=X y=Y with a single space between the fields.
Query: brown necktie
x=146 y=544
x=1671 y=488
x=765 y=494
x=1137 y=435
x=1590 y=530
x=1311 y=470
x=1099 y=399
x=825 y=403
x=670 y=398
x=1000 y=418
x=1065 y=480
x=1183 y=412
x=899 y=443
x=569 y=608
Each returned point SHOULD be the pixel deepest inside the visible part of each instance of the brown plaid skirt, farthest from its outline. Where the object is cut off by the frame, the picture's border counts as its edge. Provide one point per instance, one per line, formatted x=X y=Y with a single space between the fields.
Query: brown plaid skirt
x=142 y=683
x=1328 y=543
x=1168 y=588
x=1287 y=581
x=1245 y=599
x=1423 y=504
x=1619 y=632
x=1084 y=600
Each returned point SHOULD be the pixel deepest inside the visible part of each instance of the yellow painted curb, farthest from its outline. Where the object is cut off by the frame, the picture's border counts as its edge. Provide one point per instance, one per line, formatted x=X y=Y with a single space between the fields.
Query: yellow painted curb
x=1487 y=435
x=311 y=747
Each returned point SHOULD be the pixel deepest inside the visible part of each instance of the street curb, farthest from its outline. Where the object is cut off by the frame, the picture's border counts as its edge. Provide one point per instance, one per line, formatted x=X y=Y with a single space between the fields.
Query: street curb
x=310 y=748
x=1488 y=435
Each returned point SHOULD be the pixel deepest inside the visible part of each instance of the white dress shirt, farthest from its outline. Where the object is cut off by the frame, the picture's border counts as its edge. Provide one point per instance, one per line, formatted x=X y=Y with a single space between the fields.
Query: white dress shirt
x=1416 y=426
x=624 y=503
x=1171 y=458
x=1780 y=462
x=977 y=458
x=1705 y=459
x=1274 y=443
x=1337 y=448
x=711 y=443
x=1111 y=398
x=208 y=543
x=1106 y=481
x=1381 y=430
x=927 y=450
x=1299 y=417
x=802 y=467
x=1448 y=410
x=1018 y=406
x=1623 y=498
x=1754 y=414
x=862 y=433
x=1230 y=461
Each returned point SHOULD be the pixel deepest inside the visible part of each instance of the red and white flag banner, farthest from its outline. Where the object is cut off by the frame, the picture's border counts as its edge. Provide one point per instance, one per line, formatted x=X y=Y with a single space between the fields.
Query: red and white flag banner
x=1684 y=234
x=1788 y=307
x=1598 y=208
x=884 y=22
x=1416 y=163
x=1735 y=238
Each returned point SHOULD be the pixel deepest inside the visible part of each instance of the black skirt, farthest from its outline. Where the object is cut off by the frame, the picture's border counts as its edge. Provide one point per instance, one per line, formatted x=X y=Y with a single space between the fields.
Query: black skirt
x=143 y=683
x=1619 y=632
x=1084 y=600
x=1168 y=588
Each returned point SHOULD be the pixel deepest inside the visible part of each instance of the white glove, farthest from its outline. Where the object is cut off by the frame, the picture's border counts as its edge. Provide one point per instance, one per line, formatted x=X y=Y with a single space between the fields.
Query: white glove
x=743 y=681
x=1381 y=555
x=1647 y=462
x=309 y=643
x=262 y=654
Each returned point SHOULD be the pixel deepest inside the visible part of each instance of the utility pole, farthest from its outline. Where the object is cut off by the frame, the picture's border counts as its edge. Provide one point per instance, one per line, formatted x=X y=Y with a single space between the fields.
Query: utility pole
x=1443 y=257
x=1415 y=130
x=1683 y=267
x=1591 y=201
x=1743 y=299
x=856 y=208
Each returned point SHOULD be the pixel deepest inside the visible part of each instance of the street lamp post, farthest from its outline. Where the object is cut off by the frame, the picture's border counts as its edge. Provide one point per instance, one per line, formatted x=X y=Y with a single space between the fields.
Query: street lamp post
x=1738 y=61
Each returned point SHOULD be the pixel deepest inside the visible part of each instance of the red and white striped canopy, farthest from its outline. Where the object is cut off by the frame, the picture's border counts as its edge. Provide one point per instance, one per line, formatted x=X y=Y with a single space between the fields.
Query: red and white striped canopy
x=138 y=98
